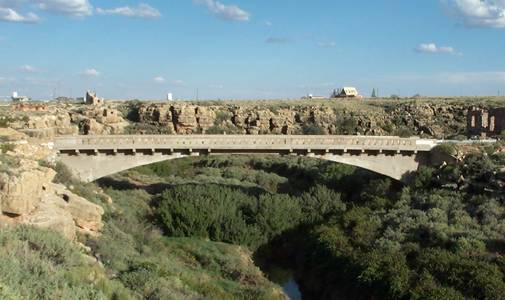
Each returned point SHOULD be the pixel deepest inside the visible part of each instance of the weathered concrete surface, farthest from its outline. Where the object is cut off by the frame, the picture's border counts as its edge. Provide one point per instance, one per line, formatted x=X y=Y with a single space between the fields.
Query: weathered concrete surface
x=90 y=168
x=91 y=158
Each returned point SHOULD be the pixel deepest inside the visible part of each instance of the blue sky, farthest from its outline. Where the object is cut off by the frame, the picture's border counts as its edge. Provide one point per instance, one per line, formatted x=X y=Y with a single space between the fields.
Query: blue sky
x=244 y=49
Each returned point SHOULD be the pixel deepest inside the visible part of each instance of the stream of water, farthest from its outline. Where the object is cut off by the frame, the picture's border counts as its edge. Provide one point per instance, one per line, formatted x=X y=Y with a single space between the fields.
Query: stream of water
x=292 y=289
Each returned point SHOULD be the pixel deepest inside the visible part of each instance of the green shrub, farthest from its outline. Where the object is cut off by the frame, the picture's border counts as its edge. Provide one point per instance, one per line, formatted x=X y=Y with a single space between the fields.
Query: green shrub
x=447 y=148
x=403 y=132
x=6 y=147
x=313 y=129
x=40 y=264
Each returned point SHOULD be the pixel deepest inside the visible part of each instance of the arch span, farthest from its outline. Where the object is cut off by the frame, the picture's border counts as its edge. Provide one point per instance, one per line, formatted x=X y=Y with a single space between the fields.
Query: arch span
x=94 y=157
x=89 y=167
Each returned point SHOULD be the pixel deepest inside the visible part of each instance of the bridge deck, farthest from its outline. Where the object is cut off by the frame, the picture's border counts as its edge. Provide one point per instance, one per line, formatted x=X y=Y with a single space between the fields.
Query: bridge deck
x=241 y=143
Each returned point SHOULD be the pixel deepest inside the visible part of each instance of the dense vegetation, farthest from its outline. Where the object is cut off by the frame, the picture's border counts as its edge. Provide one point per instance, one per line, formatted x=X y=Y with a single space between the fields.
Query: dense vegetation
x=152 y=266
x=186 y=229
x=440 y=238
x=39 y=264
x=347 y=231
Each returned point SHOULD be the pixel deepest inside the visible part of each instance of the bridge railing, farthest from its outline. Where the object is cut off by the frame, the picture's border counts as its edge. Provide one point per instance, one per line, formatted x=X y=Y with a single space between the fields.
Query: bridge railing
x=243 y=142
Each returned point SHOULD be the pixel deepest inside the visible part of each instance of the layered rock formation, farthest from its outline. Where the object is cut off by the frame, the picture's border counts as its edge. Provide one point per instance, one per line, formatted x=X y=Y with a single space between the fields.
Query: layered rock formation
x=46 y=125
x=29 y=196
x=436 y=120
x=99 y=121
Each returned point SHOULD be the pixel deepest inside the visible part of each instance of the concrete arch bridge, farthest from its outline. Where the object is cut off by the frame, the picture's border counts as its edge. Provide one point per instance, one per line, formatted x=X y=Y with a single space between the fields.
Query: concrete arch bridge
x=94 y=157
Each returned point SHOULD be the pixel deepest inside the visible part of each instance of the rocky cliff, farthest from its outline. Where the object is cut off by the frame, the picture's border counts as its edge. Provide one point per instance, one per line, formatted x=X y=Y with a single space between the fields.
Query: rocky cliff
x=29 y=196
x=437 y=120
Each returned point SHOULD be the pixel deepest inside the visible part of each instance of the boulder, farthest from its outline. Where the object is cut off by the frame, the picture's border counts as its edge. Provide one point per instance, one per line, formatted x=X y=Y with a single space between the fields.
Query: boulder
x=86 y=215
x=21 y=191
x=51 y=214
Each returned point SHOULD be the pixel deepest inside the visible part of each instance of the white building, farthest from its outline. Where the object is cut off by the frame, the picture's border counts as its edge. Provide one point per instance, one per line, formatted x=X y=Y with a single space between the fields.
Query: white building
x=16 y=98
x=170 y=97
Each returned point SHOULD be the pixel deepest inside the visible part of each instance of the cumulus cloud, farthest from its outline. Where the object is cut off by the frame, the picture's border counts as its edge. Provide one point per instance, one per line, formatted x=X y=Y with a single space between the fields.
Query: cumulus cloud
x=433 y=48
x=225 y=12
x=143 y=11
x=159 y=79
x=10 y=15
x=91 y=72
x=75 y=8
x=481 y=13
x=29 y=69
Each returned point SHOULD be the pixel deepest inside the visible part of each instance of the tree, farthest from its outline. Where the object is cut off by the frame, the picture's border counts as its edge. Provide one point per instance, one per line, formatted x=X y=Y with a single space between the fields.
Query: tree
x=374 y=93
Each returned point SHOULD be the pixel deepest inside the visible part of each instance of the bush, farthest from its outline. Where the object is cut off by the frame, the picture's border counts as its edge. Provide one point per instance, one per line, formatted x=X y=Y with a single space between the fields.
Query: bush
x=313 y=129
x=404 y=132
x=447 y=148
x=39 y=264
x=6 y=147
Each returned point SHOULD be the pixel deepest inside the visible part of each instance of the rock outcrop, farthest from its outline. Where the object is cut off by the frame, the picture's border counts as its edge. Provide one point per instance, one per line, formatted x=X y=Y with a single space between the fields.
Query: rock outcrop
x=21 y=188
x=100 y=121
x=46 y=125
x=29 y=196
x=435 y=120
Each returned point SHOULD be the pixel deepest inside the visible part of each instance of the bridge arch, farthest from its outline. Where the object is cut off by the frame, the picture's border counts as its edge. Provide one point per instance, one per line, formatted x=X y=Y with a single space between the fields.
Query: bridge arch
x=89 y=168
x=93 y=157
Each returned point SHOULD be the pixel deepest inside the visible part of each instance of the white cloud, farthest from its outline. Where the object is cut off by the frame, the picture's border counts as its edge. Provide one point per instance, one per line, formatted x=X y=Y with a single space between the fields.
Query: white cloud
x=75 y=8
x=159 y=79
x=225 y=12
x=268 y=24
x=10 y=15
x=143 y=11
x=327 y=44
x=277 y=40
x=178 y=82
x=91 y=72
x=433 y=48
x=482 y=13
x=29 y=69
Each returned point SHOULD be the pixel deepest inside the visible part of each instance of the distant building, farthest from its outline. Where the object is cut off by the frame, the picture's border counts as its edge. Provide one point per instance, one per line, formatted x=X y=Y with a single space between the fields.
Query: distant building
x=170 y=97
x=92 y=99
x=16 y=98
x=483 y=122
x=64 y=99
x=345 y=92
x=312 y=97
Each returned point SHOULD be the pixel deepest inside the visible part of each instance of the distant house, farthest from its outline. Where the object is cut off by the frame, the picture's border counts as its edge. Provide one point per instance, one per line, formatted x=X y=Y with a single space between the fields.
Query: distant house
x=92 y=99
x=345 y=92
x=16 y=98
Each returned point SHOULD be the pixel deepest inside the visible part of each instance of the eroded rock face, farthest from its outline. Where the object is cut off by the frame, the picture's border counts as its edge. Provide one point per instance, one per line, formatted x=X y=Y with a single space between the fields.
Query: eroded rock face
x=87 y=216
x=48 y=125
x=435 y=120
x=21 y=190
x=28 y=195
x=100 y=121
